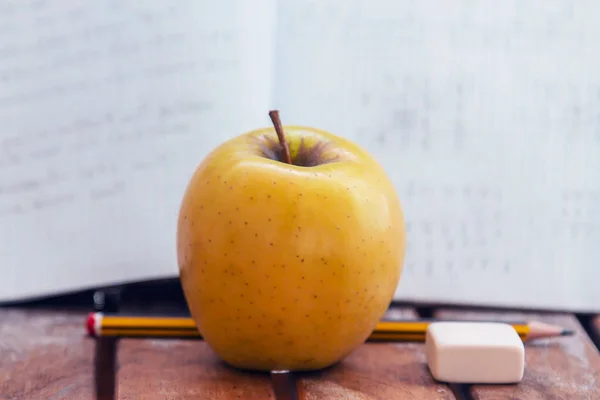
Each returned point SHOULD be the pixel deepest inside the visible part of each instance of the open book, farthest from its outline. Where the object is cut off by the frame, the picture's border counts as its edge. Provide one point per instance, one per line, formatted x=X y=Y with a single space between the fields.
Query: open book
x=485 y=115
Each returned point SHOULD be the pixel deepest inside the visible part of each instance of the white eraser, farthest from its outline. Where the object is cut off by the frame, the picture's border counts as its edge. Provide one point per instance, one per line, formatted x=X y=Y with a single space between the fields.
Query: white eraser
x=474 y=352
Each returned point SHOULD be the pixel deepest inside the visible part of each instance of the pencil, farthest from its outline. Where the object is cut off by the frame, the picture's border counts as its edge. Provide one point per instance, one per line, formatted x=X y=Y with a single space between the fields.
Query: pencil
x=99 y=324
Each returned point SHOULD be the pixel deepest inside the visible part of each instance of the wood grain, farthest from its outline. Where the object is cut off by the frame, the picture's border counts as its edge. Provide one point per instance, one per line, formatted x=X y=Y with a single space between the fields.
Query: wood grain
x=558 y=368
x=178 y=369
x=376 y=371
x=45 y=354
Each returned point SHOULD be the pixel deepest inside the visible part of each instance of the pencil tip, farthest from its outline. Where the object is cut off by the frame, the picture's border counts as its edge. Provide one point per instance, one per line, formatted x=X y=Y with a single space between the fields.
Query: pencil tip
x=567 y=332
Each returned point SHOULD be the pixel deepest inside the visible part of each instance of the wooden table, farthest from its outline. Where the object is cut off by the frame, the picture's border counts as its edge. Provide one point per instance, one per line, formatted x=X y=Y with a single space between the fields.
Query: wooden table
x=44 y=354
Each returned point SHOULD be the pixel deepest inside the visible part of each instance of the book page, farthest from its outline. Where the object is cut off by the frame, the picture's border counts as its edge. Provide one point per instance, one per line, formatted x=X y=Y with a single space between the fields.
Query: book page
x=486 y=117
x=106 y=109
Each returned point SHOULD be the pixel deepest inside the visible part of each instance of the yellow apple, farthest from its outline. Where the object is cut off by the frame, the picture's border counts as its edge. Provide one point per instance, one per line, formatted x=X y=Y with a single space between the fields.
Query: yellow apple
x=289 y=266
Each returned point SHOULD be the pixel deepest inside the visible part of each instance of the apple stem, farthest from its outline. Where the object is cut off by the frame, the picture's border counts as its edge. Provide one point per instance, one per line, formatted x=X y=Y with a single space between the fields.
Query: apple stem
x=274 y=114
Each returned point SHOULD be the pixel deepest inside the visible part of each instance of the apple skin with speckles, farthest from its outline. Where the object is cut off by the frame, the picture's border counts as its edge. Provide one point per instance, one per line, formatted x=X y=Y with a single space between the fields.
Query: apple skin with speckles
x=289 y=266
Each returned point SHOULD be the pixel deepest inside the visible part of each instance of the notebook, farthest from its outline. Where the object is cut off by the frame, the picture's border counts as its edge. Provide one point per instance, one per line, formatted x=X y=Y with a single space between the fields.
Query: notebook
x=485 y=116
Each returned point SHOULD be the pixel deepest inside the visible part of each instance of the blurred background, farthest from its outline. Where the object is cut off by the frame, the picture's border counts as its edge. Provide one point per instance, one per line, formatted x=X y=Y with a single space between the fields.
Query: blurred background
x=486 y=116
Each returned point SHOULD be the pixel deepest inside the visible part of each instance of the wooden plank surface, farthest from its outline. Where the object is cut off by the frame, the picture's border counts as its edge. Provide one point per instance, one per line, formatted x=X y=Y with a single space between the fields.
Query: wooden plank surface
x=152 y=369
x=558 y=368
x=385 y=371
x=45 y=355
